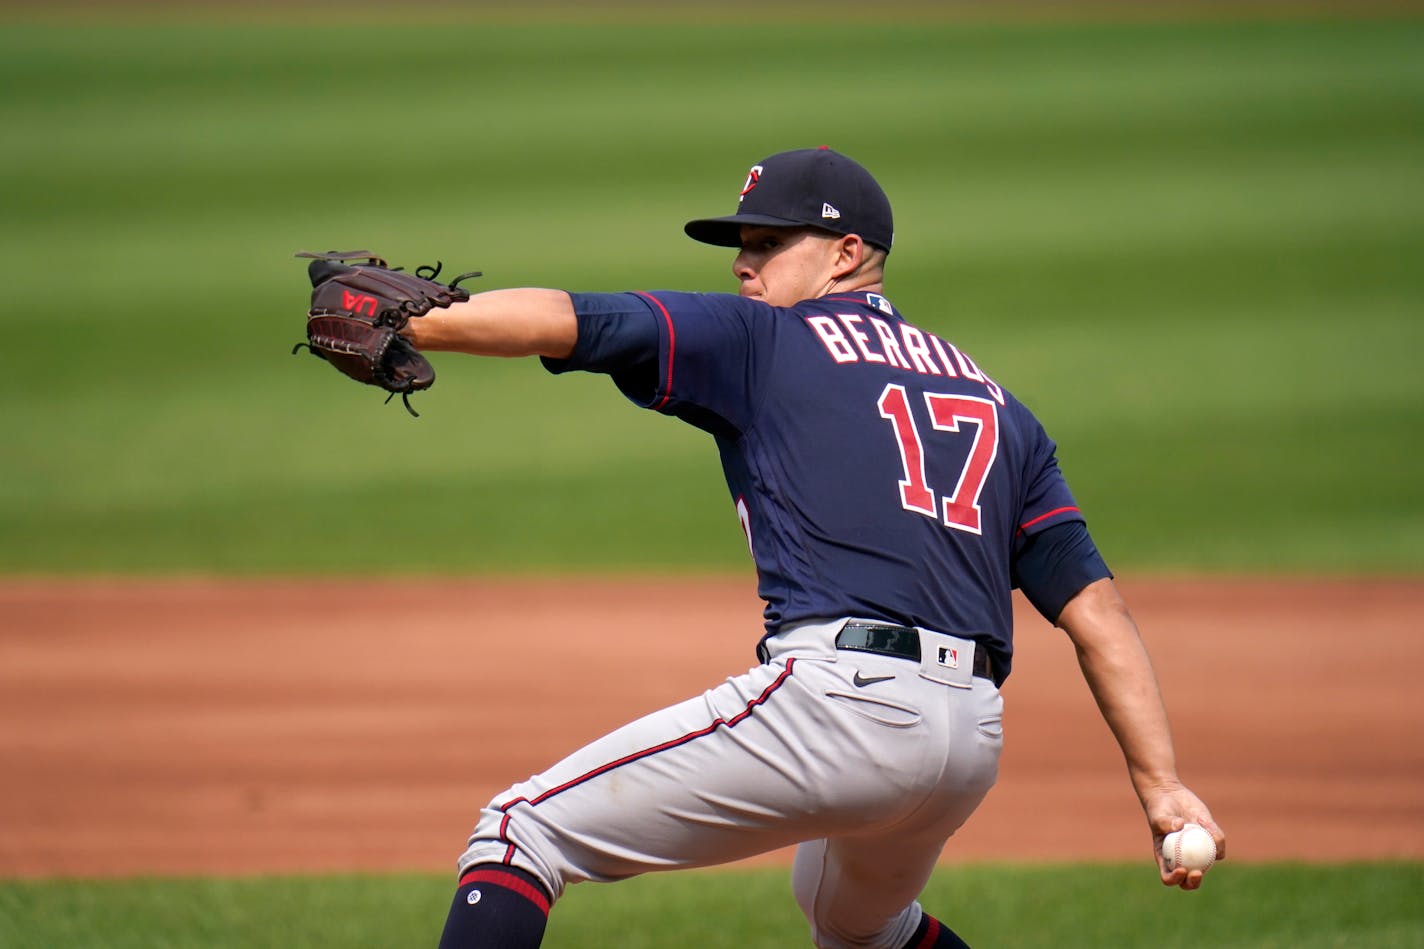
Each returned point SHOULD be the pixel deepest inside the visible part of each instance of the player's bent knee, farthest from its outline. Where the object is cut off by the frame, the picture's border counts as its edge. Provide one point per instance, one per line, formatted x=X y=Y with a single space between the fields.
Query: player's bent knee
x=507 y=838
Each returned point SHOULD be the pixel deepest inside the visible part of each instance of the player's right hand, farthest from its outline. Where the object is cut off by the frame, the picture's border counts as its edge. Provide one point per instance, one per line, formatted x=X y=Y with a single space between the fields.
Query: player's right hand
x=1169 y=809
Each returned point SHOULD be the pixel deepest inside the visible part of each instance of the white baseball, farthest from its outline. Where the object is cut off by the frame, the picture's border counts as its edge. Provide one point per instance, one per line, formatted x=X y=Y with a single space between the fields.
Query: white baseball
x=1191 y=847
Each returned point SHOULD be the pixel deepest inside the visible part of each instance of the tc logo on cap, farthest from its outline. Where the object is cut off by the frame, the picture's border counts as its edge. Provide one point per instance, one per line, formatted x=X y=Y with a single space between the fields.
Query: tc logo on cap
x=753 y=179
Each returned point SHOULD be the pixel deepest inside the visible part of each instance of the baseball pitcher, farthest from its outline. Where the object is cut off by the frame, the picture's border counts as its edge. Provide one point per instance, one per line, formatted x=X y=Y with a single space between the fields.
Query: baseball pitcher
x=892 y=494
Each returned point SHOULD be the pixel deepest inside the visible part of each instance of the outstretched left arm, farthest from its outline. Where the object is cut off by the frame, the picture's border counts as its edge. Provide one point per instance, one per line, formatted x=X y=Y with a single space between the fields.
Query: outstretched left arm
x=518 y=322
x=1119 y=673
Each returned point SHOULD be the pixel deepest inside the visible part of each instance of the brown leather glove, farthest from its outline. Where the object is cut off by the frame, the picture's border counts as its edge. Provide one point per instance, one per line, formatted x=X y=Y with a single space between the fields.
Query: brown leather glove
x=358 y=310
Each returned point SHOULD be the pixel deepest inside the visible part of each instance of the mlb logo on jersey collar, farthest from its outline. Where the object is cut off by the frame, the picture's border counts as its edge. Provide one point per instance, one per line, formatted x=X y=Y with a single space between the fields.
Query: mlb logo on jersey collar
x=880 y=303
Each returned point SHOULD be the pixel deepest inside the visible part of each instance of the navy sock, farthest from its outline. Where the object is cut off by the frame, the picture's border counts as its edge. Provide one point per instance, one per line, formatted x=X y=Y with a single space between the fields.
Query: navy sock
x=496 y=907
x=933 y=934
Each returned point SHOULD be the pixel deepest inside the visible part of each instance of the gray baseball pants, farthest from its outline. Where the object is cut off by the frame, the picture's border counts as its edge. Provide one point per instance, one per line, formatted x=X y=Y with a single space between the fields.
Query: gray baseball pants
x=868 y=763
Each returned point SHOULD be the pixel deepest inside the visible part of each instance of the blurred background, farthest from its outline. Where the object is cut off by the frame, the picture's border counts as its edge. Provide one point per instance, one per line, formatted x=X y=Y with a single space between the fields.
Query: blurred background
x=1189 y=237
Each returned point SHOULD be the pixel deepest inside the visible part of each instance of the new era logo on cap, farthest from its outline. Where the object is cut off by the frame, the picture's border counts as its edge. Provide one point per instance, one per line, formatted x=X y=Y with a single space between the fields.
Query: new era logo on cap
x=829 y=212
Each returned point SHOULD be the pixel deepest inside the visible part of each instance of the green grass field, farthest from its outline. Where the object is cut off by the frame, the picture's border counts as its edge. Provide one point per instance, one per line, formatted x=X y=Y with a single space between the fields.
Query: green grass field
x=1193 y=247
x=1264 y=906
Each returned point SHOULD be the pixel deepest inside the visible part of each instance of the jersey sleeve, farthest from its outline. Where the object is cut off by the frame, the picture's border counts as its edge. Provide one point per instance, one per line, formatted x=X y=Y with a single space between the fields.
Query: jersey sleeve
x=617 y=336
x=1054 y=565
x=1047 y=500
x=1052 y=556
x=690 y=355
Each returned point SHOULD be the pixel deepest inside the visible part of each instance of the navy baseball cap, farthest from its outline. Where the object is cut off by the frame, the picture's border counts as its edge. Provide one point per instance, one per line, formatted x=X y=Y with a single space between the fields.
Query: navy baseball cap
x=808 y=187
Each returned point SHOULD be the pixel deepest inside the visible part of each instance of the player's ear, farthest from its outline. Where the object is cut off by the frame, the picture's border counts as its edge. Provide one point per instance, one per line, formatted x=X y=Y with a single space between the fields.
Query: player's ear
x=850 y=254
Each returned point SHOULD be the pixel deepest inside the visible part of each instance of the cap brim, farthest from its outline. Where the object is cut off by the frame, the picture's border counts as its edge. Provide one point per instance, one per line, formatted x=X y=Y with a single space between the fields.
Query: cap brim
x=727 y=231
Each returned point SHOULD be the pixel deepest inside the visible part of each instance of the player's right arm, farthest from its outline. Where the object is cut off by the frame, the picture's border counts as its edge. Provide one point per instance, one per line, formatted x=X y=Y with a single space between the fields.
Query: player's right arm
x=517 y=322
x=1119 y=673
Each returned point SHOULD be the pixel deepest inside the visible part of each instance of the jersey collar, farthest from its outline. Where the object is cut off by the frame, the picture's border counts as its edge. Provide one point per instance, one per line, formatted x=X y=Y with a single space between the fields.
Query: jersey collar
x=875 y=301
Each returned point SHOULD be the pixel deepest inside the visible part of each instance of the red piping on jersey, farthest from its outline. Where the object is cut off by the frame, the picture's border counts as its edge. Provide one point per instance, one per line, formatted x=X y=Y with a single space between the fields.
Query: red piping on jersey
x=1044 y=517
x=636 y=756
x=931 y=934
x=509 y=882
x=672 y=340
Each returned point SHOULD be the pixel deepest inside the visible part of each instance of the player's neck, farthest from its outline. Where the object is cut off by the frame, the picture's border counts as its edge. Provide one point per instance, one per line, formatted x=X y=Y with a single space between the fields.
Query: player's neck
x=853 y=283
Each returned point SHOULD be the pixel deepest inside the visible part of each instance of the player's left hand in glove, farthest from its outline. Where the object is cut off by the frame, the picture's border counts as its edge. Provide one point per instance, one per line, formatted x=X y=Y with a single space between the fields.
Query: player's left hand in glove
x=358 y=310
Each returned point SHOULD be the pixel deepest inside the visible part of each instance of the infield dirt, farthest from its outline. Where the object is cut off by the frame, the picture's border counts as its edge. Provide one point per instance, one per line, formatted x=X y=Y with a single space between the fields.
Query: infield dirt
x=261 y=726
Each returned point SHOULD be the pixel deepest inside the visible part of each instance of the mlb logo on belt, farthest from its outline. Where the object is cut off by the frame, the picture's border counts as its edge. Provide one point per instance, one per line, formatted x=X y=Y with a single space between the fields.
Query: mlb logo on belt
x=949 y=657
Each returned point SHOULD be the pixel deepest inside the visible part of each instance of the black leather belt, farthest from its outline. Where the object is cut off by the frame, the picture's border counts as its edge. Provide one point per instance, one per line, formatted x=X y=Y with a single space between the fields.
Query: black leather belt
x=903 y=642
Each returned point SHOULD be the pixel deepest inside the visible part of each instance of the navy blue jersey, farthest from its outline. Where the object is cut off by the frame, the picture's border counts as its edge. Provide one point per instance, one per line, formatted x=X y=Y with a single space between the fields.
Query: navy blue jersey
x=876 y=470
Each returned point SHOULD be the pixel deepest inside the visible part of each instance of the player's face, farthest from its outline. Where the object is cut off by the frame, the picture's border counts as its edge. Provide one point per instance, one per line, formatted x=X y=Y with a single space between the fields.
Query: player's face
x=785 y=265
